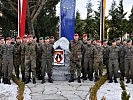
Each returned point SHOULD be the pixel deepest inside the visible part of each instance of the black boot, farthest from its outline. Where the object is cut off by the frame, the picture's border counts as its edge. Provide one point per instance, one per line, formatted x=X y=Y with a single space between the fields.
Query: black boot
x=84 y=77
x=23 y=78
x=5 y=81
x=50 y=80
x=43 y=80
x=79 y=81
x=128 y=81
x=26 y=81
x=34 y=81
x=132 y=81
x=110 y=80
x=71 y=78
x=0 y=80
x=115 y=80
x=8 y=81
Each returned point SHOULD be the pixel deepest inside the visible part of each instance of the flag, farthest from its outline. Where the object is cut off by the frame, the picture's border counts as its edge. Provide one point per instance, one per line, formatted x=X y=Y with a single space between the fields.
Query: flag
x=22 y=7
x=67 y=18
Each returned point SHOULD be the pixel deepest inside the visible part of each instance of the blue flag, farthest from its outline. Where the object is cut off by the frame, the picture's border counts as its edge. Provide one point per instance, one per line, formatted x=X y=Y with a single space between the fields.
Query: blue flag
x=67 y=18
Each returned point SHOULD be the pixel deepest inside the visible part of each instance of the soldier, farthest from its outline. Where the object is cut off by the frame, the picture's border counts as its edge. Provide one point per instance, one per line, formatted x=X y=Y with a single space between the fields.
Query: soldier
x=84 y=44
x=88 y=60
x=98 y=60
x=76 y=48
x=46 y=60
x=7 y=56
x=17 y=56
x=12 y=40
x=94 y=42
x=22 y=46
x=1 y=44
x=122 y=54
x=30 y=60
x=38 y=67
x=106 y=56
x=113 y=61
x=129 y=61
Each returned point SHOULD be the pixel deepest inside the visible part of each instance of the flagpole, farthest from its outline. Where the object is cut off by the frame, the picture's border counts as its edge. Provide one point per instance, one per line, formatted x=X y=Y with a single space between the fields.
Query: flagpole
x=101 y=21
x=18 y=16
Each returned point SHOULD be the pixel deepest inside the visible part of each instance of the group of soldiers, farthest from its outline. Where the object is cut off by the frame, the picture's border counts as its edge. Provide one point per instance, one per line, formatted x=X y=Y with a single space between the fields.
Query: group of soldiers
x=87 y=57
x=90 y=56
x=32 y=58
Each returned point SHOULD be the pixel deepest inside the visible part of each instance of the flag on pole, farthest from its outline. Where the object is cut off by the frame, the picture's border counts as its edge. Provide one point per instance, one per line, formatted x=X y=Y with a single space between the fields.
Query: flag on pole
x=22 y=7
x=67 y=18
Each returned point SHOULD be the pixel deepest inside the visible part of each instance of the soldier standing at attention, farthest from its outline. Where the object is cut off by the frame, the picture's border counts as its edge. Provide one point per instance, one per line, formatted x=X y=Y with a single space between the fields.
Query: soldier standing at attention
x=88 y=60
x=113 y=61
x=47 y=51
x=38 y=67
x=98 y=60
x=82 y=62
x=17 y=56
x=76 y=48
x=106 y=56
x=7 y=56
x=30 y=60
x=129 y=61
x=22 y=46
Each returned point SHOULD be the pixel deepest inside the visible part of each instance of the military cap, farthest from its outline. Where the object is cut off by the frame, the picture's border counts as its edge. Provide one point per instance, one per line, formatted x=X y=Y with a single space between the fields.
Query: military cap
x=76 y=34
x=51 y=37
x=84 y=35
x=18 y=37
x=47 y=37
x=129 y=40
x=124 y=40
x=41 y=38
x=25 y=36
x=113 y=40
x=29 y=36
x=98 y=41
x=117 y=39
x=105 y=40
x=8 y=38
x=88 y=39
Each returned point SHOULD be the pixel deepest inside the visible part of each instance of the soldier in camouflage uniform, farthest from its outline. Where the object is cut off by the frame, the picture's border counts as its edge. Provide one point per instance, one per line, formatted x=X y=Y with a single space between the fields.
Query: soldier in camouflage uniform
x=129 y=61
x=114 y=51
x=46 y=60
x=88 y=60
x=76 y=48
x=30 y=60
x=122 y=55
x=7 y=56
x=22 y=46
x=106 y=56
x=38 y=67
x=98 y=60
x=17 y=56
x=82 y=62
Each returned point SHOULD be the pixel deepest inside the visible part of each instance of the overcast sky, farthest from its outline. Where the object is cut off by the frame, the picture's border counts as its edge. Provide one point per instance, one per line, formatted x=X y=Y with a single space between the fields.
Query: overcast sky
x=81 y=6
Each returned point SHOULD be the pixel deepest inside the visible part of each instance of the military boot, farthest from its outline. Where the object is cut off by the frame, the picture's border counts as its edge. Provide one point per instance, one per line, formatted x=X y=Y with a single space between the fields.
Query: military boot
x=132 y=81
x=79 y=81
x=43 y=80
x=128 y=81
x=71 y=78
x=110 y=80
x=50 y=80
x=115 y=80
x=23 y=77
x=0 y=80
x=5 y=81
x=34 y=81
x=84 y=77
x=8 y=81
x=26 y=81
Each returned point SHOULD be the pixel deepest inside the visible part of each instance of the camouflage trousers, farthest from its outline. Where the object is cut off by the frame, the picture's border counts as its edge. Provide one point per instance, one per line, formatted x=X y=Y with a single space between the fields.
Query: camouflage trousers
x=7 y=68
x=46 y=66
x=23 y=65
x=129 y=68
x=75 y=66
x=30 y=66
x=113 y=68
x=98 y=67
x=88 y=67
x=1 y=72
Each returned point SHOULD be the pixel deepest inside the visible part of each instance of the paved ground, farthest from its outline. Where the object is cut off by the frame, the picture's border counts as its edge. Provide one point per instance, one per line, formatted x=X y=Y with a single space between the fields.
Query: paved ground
x=60 y=90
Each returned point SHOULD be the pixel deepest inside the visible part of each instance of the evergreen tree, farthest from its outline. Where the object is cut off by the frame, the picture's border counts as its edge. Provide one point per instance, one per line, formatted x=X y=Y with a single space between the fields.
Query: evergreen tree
x=79 y=24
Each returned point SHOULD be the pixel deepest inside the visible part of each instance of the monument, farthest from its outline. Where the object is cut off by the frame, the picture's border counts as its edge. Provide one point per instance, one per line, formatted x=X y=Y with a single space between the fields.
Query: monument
x=61 y=60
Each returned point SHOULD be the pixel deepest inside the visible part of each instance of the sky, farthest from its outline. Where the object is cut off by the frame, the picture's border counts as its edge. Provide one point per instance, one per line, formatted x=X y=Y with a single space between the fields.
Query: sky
x=81 y=6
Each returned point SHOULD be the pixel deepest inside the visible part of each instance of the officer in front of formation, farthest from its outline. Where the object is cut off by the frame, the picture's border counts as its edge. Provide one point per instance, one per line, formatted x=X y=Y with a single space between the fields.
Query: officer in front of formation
x=76 y=48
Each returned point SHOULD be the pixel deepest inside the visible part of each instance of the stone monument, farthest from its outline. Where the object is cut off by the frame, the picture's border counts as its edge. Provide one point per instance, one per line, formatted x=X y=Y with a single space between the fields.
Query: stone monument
x=61 y=72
